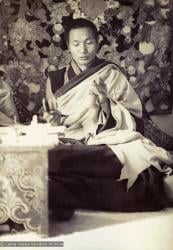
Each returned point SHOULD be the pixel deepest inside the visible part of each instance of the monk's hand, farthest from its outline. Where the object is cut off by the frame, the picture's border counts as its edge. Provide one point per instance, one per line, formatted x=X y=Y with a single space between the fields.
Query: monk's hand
x=99 y=89
x=53 y=117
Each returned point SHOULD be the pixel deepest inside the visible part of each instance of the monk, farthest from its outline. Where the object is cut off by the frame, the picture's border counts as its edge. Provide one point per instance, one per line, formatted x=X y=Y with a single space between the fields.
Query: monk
x=104 y=161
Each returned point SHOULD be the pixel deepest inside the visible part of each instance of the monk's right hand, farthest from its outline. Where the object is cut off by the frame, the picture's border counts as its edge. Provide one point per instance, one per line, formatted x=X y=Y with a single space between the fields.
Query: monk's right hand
x=50 y=112
x=53 y=117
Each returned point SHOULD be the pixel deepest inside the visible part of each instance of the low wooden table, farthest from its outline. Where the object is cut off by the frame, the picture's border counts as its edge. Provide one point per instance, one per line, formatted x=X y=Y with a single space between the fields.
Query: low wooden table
x=24 y=187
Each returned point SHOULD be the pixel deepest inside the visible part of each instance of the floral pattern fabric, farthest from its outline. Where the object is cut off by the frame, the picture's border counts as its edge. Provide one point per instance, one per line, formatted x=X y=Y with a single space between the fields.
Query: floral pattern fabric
x=134 y=34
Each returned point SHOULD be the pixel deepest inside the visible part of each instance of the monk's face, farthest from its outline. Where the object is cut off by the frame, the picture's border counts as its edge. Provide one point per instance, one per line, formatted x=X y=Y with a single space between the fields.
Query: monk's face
x=83 y=46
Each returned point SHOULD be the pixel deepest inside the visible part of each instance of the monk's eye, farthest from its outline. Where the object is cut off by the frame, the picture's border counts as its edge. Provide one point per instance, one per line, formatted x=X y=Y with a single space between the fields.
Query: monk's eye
x=89 y=42
x=75 y=44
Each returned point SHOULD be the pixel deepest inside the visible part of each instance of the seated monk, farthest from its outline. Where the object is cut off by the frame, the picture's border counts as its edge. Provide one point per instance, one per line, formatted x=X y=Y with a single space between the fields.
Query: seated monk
x=104 y=162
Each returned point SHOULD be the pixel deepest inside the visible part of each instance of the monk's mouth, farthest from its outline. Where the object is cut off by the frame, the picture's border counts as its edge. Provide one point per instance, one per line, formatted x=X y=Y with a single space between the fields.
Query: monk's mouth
x=83 y=58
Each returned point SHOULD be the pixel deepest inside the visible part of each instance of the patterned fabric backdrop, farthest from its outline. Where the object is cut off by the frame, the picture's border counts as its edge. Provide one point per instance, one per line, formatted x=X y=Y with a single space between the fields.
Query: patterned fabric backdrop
x=135 y=34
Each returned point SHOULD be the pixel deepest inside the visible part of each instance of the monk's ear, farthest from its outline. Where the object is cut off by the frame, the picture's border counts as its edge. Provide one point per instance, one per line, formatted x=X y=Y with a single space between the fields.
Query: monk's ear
x=99 y=39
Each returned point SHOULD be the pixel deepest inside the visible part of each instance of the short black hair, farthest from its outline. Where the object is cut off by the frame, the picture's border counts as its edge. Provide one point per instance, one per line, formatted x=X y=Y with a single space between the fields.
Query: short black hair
x=79 y=23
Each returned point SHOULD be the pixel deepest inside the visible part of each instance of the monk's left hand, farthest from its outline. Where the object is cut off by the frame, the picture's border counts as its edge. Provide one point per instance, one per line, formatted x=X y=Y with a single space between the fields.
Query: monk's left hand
x=99 y=89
